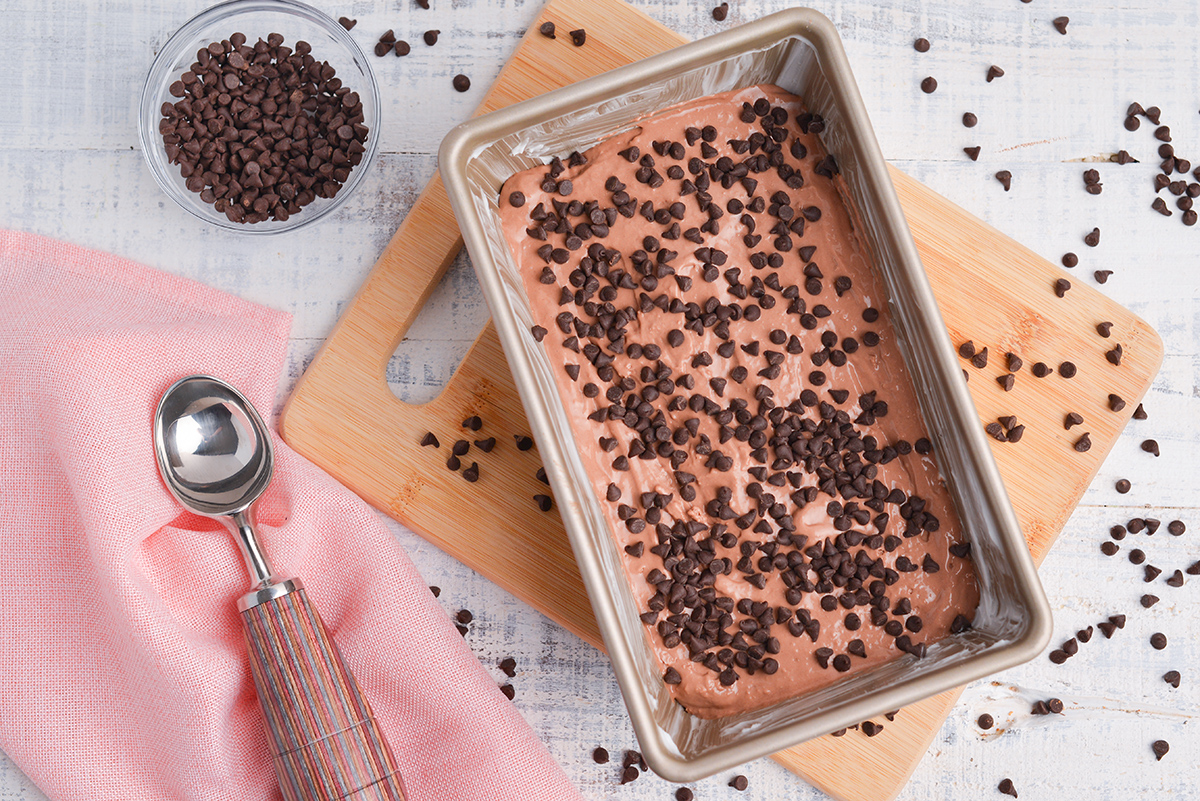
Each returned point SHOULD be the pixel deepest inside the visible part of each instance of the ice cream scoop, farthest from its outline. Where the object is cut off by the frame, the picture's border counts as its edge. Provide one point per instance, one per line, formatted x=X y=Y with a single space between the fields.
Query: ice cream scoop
x=215 y=456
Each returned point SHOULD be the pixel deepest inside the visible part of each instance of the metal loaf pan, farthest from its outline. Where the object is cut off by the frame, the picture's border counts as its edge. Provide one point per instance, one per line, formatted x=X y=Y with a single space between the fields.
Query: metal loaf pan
x=800 y=51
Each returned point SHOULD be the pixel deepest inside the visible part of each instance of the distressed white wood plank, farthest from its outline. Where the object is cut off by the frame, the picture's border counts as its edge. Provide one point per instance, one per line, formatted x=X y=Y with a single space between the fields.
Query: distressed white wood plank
x=69 y=159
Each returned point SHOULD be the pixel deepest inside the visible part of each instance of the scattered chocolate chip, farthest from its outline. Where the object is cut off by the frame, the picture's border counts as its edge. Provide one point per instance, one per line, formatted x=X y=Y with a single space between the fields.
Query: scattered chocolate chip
x=1114 y=355
x=474 y=423
x=1070 y=260
x=1109 y=548
x=1116 y=403
x=578 y=37
x=1102 y=276
x=993 y=73
x=1139 y=413
x=980 y=359
x=544 y=502
x=431 y=37
x=1160 y=206
x=508 y=691
x=547 y=29
x=1117 y=620
x=1072 y=419
x=1060 y=24
x=430 y=439
x=671 y=676
x=739 y=782
x=1084 y=443
x=347 y=23
x=1160 y=748
x=929 y=85
x=1149 y=601
x=1123 y=486
x=1014 y=362
x=1176 y=579
x=629 y=774
x=969 y=120
x=524 y=442
x=972 y=152
x=1172 y=677
x=1150 y=446
x=721 y=12
x=508 y=666
x=461 y=83
x=471 y=473
x=1006 y=787
x=1092 y=239
x=1006 y=381
x=600 y=755
x=1040 y=369
x=1158 y=641
x=1176 y=528
x=1005 y=179
x=1067 y=370
x=1061 y=286
x=1151 y=573
x=1137 y=556
x=986 y=721
x=1055 y=706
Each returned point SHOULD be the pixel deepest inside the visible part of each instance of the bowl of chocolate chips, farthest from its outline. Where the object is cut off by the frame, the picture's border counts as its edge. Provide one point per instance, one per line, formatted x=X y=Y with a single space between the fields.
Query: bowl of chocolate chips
x=260 y=116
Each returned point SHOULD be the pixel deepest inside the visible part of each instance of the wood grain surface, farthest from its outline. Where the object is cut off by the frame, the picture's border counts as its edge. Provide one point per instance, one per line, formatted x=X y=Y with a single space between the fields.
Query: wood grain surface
x=990 y=289
x=73 y=169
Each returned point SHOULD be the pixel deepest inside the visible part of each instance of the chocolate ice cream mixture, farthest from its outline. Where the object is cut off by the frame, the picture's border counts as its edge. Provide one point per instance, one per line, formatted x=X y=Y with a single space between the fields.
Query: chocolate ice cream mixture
x=723 y=350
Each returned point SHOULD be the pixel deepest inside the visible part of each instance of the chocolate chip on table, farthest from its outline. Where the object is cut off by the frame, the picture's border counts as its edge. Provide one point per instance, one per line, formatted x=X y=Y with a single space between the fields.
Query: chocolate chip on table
x=739 y=782
x=1067 y=370
x=1005 y=179
x=629 y=774
x=578 y=37
x=471 y=473
x=1102 y=276
x=1117 y=620
x=1070 y=260
x=401 y=48
x=1193 y=569
x=721 y=12
x=1123 y=486
x=1107 y=629
x=544 y=502
x=1060 y=24
x=1160 y=748
x=929 y=85
x=1172 y=677
x=972 y=152
x=684 y=794
x=1132 y=123
x=464 y=616
x=1139 y=413
x=986 y=721
x=1109 y=548
x=388 y=37
x=1092 y=238
x=1150 y=446
x=1061 y=286
x=1084 y=635
x=1176 y=528
x=347 y=23
x=1158 y=641
x=508 y=691
x=430 y=439
x=1148 y=600
x=993 y=73
x=1084 y=443
x=1176 y=579
x=969 y=120
x=1151 y=573
x=1117 y=532
x=232 y=93
x=921 y=45
x=1055 y=706
x=1006 y=787
x=870 y=728
x=1137 y=556
x=431 y=37
x=600 y=755
x=508 y=666
x=1123 y=157
x=461 y=83
x=1160 y=206
x=435 y=590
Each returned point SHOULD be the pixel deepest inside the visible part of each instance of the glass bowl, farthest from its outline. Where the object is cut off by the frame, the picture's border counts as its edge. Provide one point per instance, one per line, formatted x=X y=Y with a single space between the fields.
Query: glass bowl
x=256 y=19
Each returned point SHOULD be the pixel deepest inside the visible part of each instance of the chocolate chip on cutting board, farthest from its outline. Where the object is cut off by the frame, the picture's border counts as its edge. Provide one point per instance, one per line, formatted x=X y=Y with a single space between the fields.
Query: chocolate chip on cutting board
x=578 y=37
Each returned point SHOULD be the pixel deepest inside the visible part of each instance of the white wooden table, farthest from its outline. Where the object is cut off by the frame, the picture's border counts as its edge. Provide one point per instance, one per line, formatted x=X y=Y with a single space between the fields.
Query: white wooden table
x=71 y=168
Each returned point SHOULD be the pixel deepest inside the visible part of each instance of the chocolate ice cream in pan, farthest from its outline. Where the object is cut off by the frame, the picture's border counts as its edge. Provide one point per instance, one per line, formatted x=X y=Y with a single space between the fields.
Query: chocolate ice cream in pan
x=765 y=455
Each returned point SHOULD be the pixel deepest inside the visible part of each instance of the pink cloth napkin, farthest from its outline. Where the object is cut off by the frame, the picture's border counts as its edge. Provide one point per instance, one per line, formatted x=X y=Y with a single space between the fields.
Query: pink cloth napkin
x=123 y=673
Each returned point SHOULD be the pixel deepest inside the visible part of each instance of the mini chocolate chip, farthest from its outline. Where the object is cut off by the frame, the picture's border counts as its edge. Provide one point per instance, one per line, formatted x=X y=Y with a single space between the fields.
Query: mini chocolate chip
x=347 y=23
x=474 y=423
x=1006 y=787
x=921 y=45
x=461 y=83
x=508 y=691
x=578 y=37
x=1060 y=24
x=1005 y=179
x=1137 y=556
x=430 y=438
x=547 y=29
x=1014 y=362
x=972 y=152
x=1102 y=276
x=1070 y=260
x=966 y=349
x=929 y=85
x=1084 y=443
x=1172 y=677
x=1151 y=573
x=969 y=120
x=1067 y=369
x=1072 y=419
x=1061 y=286
x=1092 y=239
x=721 y=12
x=471 y=473
x=1176 y=528
x=993 y=73
x=1123 y=486
x=986 y=721
x=1150 y=446
x=1109 y=548
x=599 y=755
x=740 y=782
x=1139 y=413
x=1158 y=641
x=544 y=502
x=1176 y=579
x=1115 y=403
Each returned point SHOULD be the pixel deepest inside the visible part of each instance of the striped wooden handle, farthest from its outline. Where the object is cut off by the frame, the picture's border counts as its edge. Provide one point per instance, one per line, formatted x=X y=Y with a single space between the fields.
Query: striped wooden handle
x=325 y=743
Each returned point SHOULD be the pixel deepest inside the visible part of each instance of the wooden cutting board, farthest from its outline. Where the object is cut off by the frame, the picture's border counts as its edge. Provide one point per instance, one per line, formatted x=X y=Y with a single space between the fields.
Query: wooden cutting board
x=991 y=290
